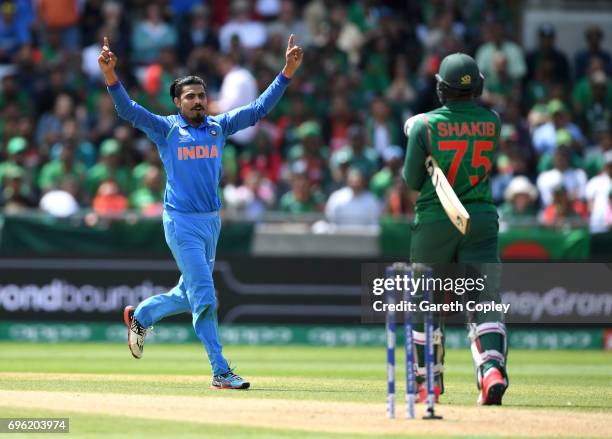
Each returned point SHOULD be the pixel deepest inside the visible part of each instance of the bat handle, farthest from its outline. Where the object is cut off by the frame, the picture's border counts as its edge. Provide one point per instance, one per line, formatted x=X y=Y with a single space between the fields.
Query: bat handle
x=429 y=165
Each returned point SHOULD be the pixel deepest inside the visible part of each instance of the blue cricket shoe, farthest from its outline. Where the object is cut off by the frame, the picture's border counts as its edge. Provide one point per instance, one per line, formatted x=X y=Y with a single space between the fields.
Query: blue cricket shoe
x=229 y=380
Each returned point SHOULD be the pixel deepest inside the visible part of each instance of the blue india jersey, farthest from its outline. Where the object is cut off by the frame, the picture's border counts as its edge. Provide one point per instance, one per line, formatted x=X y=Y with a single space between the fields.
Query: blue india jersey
x=192 y=155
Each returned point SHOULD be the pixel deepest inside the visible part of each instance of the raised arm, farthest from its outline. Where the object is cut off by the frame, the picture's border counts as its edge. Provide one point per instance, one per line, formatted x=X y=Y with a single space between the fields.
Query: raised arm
x=155 y=127
x=247 y=116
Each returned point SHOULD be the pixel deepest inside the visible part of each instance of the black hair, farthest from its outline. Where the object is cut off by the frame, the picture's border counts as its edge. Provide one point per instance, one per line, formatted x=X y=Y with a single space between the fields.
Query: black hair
x=177 y=85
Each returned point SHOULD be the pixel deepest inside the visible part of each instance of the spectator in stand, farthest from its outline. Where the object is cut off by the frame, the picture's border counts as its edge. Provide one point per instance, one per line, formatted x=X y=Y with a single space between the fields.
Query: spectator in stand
x=382 y=131
x=499 y=89
x=594 y=161
x=14 y=32
x=399 y=201
x=90 y=20
x=150 y=35
x=289 y=122
x=375 y=65
x=11 y=92
x=350 y=38
x=427 y=98
x=239 y=87
x=62 y=18
x=8 y=120
x=315 y=14
x=251 y=34
x=563 y=210
x=252 y=199
x=51 y=49
x=598 y=194
x=334 y=61
x=181 y=10
x=49 y=128
x=85 y=152
x=119 y=28
x=149 y=198
x=594 y=37
x=109 y=200
x=341 y=117
x=545 y=136
x=104 y=121
x=520 y=202
x=312 y=153
x=64 y=166
x=89 y=56
x=269 y=60
x=401 y=93
x=199 y=33
x=384 y=179
x=353 y=204
x=48 y=84
x=261 y=156
x=361 y=156
x=443 y=27
x=150 y=159
x=564 y=138
x=62 y=201
x=268 y=10
x=370 y=49
x=14 y=197
x=573 y=180
x=16 y=157
x=301 y=198
x=517 y=130
x=497 y=42
x=546 y=51
x=288 y=23
x=510 y=162
x=339 y=165
x=109 y=167
x=156 y=82
x=592 y=97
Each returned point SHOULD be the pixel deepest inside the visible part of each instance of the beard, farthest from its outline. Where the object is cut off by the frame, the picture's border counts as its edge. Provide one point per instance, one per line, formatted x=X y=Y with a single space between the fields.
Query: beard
x=197 y=116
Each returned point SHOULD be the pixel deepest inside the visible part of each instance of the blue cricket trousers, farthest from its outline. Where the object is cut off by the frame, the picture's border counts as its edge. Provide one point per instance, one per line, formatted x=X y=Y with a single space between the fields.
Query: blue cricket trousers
x=192 y=237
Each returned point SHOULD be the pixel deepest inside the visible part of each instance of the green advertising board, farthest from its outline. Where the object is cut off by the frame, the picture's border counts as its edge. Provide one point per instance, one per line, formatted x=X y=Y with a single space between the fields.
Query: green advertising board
x=357 y=335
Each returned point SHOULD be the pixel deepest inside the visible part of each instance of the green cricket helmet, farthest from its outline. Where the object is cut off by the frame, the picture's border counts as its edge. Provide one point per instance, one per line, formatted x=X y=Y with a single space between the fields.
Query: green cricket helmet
x=458 y=75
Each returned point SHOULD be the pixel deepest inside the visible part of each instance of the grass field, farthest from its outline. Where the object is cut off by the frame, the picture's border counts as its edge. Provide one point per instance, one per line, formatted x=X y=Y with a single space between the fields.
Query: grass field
x=296 y=392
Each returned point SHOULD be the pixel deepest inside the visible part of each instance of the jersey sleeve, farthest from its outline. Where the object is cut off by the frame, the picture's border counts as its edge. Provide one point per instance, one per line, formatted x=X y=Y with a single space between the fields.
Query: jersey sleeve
x=249 y=115
x=414 y=172
x=154 y=126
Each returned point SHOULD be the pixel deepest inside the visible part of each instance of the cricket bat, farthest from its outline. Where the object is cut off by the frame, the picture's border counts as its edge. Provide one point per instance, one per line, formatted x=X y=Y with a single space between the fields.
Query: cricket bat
x=448 y=198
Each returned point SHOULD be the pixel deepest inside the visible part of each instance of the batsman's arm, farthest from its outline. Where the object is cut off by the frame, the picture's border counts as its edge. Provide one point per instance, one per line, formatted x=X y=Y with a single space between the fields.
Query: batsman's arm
x=414 y=172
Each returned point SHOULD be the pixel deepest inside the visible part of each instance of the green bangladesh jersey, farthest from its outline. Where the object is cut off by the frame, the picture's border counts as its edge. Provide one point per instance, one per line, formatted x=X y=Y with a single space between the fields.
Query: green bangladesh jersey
x=463 y=138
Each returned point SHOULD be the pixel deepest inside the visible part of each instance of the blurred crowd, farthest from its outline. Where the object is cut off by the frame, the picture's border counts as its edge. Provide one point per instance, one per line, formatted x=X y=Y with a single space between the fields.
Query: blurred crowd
x=334 y=143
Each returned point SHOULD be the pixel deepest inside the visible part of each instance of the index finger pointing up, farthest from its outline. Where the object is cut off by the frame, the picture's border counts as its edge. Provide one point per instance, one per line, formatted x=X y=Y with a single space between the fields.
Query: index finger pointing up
x=290 y=42
x=106 y=43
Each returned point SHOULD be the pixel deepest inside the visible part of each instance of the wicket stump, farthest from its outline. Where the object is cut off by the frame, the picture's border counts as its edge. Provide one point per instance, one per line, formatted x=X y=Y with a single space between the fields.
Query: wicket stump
x=390 y=327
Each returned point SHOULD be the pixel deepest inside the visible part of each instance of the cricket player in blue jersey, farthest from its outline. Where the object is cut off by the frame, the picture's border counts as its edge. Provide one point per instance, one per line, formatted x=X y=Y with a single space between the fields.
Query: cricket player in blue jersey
x=191 y=144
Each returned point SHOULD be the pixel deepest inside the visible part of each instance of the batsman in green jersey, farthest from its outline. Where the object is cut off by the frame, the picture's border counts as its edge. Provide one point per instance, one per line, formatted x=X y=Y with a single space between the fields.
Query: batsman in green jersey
x=462 y=137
